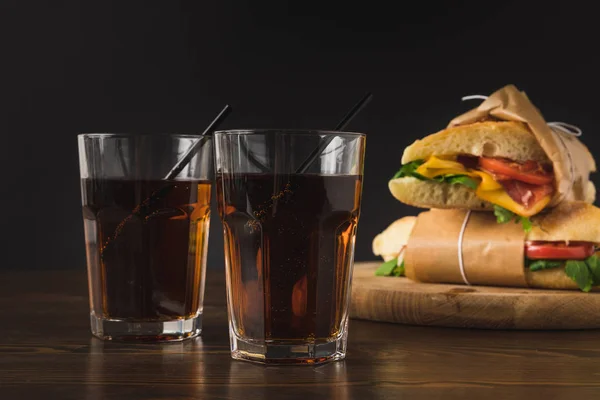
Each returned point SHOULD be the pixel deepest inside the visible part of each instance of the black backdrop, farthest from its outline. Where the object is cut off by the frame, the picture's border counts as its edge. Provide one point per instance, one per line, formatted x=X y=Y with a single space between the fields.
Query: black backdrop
x=168 y=66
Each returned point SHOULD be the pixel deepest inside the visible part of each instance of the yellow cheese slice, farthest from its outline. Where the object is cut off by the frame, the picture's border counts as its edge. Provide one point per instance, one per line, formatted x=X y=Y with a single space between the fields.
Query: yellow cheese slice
x=435 y=166
x=488 y=183
x=489 y=189
x=501 y=198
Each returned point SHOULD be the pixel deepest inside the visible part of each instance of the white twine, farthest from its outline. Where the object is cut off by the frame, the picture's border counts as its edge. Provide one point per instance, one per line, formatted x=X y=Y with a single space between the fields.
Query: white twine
x=400 y=258
x=566 y=128
x=474 y=96
x=556 y=126
x=461 y=236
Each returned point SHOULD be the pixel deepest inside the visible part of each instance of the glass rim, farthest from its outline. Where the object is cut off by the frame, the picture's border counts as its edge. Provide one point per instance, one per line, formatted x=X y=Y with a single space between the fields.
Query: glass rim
x=307 y=132
x=108 y=135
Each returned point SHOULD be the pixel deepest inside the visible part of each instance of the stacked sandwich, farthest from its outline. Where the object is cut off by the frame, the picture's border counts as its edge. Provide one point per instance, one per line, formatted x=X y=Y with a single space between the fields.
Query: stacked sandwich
x=510 y=201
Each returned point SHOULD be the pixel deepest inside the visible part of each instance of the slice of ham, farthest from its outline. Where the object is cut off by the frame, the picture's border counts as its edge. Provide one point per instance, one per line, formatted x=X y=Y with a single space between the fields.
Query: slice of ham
x=526 y=193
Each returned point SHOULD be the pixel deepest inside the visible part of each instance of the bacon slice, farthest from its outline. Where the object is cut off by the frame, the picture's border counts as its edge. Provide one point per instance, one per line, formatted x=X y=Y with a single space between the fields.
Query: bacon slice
x=526 y=194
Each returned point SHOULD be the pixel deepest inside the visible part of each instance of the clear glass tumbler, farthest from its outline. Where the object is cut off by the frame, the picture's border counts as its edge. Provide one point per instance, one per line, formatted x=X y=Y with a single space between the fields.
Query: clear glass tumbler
x=289 y=225
x=146 y=233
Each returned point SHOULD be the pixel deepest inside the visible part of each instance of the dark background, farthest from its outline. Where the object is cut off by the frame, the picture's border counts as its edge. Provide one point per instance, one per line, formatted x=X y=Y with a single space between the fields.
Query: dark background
x=169 y=66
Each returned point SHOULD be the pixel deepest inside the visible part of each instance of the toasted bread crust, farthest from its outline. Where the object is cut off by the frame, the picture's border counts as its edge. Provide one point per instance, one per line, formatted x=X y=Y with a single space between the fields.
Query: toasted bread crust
x=554 y=278
x=431 y=194
x=389 y=242
x=509 y=139
x=576 y=221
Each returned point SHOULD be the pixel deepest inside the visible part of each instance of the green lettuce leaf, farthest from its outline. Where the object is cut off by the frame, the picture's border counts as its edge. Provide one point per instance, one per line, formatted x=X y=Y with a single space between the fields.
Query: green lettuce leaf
x=386 y=268
x=390 y=268
x=538 y=265
x=593 y=264
x=526 y=223
x=503 y=216
x=585 y=273
x=461 y=180
x=579 y=272
x=399 y=270
x=409 y=170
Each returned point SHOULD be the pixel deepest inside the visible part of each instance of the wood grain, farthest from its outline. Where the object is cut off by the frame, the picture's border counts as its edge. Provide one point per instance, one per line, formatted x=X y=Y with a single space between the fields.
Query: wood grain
x=47 y=352
x=401 y=300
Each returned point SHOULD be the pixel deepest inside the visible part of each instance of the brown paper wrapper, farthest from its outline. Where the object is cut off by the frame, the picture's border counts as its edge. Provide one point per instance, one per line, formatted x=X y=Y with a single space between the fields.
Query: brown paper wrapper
x=571 y=160
x=493 y=254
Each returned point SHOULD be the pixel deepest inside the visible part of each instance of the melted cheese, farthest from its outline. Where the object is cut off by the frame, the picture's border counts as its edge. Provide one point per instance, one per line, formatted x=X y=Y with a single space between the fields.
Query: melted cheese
x=488 y=189
x=435 y=166
x=501 y=198
x=438 y=167
x=488 y=183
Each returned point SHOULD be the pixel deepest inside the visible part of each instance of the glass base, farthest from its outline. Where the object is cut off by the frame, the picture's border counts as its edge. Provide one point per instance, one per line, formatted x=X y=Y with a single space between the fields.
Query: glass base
x=145 y=331
x=280 y=352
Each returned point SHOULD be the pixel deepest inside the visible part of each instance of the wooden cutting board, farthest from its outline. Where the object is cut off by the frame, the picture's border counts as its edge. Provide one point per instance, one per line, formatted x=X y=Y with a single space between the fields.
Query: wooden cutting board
x=401 y=300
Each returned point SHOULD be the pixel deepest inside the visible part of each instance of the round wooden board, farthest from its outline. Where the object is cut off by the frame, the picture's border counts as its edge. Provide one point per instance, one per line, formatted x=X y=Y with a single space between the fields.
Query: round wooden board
x=401 y=300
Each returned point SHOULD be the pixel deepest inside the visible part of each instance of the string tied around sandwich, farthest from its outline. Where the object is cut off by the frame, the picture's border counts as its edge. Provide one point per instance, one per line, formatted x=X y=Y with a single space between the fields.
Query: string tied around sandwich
x=564 y=127
x=400 y=258
x=556 y=126
x=461 y=236
x=474 y=97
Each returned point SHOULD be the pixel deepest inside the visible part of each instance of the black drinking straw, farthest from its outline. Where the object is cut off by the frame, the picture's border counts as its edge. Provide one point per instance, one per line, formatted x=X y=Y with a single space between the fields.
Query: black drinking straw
x=341 y=125
x=187 y=157
x=144 y=206
x=251 y=157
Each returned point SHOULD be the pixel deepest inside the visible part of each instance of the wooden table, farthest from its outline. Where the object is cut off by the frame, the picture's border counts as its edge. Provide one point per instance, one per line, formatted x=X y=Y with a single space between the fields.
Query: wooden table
x=47 y=352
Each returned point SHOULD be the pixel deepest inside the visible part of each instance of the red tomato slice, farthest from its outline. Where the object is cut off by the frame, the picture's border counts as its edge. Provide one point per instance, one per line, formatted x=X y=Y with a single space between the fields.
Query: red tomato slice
x=558 y=250
x=529 y=172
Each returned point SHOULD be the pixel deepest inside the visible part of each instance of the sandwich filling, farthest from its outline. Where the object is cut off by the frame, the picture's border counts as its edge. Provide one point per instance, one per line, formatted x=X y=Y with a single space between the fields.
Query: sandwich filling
x=515 y=189
x=578 y=259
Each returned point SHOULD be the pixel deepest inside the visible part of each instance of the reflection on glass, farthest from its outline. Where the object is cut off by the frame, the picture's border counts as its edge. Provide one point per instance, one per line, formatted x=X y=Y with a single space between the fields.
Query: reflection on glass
x=289 y=243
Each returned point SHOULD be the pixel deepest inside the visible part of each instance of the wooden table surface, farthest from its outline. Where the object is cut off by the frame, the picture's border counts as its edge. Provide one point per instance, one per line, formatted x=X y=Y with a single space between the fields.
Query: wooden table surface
x=47 y=352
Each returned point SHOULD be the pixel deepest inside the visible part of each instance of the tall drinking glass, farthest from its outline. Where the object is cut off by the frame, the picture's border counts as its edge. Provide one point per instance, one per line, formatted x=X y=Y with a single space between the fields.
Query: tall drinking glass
x=146 y=236
x=289 y=240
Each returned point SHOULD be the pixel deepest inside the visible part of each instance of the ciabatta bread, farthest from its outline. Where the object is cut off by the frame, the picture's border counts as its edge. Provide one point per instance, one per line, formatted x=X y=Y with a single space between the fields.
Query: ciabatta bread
x=509 y=139
x=577 y=221
x=431 y=194
x=389 y=242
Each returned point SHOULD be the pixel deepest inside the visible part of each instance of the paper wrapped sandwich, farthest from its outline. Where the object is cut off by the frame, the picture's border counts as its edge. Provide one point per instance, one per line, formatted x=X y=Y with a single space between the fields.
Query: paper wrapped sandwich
x=469 y=247
x=501 y=156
